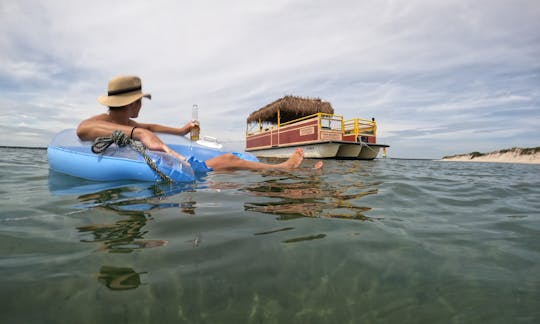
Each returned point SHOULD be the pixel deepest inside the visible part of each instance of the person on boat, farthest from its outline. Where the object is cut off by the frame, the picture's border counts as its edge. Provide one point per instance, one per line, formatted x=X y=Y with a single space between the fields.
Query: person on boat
x=124 y=99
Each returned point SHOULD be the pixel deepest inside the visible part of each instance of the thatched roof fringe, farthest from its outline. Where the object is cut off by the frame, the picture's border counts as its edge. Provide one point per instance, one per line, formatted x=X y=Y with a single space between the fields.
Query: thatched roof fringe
x=290 y=107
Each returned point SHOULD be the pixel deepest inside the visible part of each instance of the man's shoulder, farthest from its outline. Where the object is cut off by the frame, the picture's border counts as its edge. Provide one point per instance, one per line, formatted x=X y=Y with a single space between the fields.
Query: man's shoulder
x=104 y=117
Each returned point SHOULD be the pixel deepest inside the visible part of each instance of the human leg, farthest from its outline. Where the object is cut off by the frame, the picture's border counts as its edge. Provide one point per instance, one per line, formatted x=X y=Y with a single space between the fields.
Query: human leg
x=229 y=162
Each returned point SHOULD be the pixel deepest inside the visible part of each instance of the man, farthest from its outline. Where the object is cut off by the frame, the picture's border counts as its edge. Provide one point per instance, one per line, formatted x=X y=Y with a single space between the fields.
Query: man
x=124 y=99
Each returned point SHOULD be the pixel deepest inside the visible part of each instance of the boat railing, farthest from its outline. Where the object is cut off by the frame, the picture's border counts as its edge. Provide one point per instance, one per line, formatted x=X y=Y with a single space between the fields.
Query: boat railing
x=325 y=121
x=360 y=126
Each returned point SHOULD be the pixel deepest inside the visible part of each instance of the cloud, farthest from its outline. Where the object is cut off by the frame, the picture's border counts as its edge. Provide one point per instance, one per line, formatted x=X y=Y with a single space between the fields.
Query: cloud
x=427 y=71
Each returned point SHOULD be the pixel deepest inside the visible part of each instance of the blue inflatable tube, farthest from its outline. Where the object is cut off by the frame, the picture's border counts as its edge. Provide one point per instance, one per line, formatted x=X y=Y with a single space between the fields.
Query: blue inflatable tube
x=69 y=155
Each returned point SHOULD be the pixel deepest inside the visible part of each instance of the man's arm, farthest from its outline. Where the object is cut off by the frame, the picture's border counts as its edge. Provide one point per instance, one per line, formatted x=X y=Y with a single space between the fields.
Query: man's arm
x=156 y=128
x=92 y=128
x=95 y=127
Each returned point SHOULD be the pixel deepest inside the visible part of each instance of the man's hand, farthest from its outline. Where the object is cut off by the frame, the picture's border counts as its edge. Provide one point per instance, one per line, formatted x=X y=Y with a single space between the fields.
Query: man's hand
x=154 y=143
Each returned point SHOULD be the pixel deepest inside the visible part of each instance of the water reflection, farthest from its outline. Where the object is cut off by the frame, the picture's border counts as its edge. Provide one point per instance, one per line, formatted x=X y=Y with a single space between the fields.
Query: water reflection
x=197 y=241
x=310 y=197
x=130 y=202
x=133 y=204
x=275 y=231
x=116 y=278
x=118 y=195
x=123 y=236
x=305 y=238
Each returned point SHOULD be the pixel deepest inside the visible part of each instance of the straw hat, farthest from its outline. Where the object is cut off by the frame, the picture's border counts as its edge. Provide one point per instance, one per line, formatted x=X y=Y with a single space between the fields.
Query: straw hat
x=122 y=91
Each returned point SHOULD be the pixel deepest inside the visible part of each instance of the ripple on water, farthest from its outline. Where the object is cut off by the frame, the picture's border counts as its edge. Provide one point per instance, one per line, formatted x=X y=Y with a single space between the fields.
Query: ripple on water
x=359 y=241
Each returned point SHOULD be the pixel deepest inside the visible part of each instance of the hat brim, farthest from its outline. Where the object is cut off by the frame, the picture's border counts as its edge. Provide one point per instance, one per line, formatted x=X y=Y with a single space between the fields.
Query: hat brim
x=123 y=99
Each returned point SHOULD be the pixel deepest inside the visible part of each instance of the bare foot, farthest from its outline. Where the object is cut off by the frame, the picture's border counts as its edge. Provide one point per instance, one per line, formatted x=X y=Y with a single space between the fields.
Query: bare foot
x=318 y=165
x=295 y=160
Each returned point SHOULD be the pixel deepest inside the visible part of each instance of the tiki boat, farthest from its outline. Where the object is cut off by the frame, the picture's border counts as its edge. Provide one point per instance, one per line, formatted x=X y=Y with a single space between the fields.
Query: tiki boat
x=280 y=127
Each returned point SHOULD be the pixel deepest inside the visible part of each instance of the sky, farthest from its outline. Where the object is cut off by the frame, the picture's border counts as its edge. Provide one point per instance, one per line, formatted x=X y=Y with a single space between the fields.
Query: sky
x=440 y=77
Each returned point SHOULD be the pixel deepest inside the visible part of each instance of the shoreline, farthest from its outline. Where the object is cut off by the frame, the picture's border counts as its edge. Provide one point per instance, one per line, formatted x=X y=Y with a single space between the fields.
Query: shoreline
x=513 y=155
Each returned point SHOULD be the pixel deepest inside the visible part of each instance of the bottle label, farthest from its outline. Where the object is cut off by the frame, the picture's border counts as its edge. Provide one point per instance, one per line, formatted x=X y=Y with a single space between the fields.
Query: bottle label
x=194 y=134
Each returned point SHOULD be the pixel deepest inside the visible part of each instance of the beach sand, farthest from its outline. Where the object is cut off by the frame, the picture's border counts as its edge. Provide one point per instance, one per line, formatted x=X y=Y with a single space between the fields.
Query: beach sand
x=514 y=156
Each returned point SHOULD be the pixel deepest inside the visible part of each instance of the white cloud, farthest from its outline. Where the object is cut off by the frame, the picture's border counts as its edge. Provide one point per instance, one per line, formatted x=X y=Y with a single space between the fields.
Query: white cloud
x=420 y=67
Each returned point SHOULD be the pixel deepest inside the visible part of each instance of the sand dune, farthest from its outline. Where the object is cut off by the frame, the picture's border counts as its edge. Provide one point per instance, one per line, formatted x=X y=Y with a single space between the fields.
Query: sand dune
x=513 y=155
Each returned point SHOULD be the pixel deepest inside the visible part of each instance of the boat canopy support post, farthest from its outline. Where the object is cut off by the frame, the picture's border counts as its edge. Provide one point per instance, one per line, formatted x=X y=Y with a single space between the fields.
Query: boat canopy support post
x=278 y=124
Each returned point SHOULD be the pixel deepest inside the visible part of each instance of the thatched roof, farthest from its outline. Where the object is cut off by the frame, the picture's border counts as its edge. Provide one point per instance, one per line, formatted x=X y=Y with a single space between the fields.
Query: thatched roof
x=290 y=108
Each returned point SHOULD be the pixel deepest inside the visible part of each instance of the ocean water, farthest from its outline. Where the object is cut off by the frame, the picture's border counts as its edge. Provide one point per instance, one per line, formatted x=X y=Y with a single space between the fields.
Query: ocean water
x=384 y=241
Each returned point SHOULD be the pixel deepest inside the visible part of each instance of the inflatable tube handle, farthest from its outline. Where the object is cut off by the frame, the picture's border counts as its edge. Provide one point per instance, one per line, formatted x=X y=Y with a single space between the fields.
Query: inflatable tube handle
x=210 y=139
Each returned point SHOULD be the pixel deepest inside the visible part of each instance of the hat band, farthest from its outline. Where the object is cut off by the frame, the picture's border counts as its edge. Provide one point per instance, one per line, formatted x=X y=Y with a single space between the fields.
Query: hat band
x=122 y=91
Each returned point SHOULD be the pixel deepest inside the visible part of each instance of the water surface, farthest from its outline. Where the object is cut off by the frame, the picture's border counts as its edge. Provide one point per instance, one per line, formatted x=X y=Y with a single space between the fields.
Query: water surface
x=386 y=241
